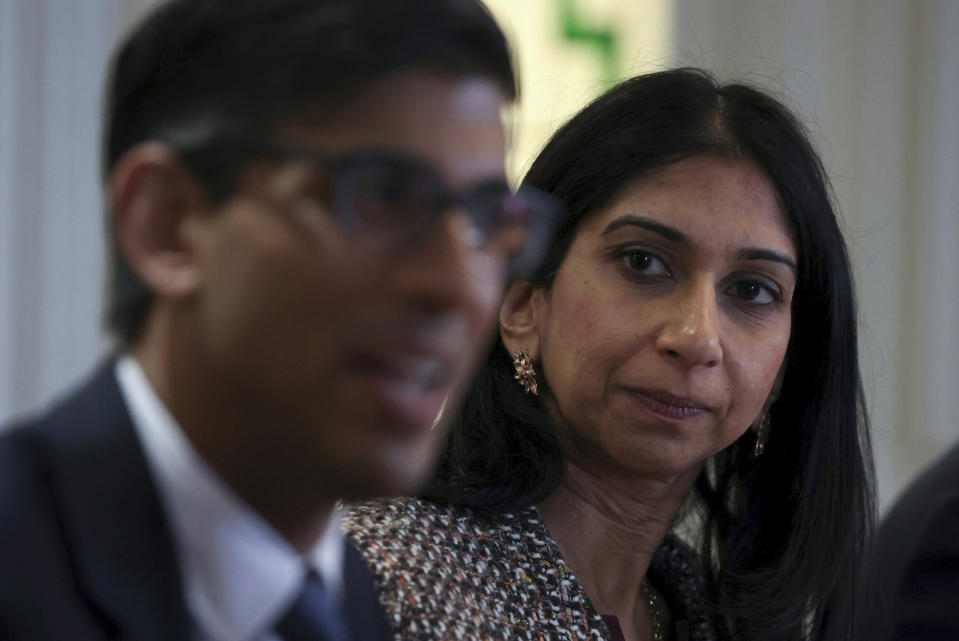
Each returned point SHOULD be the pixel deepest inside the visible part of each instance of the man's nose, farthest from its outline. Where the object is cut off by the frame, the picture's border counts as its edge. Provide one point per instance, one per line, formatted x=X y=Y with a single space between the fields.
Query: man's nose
x=690 y=333
x=447 y=269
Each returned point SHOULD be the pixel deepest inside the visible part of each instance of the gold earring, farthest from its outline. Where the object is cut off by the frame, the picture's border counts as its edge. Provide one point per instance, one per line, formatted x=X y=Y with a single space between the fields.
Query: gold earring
x=762 y=433
x=525 y=373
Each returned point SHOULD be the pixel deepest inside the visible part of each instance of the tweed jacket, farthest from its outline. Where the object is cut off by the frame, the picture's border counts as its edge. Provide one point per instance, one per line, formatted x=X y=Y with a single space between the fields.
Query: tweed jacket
x=446 y=572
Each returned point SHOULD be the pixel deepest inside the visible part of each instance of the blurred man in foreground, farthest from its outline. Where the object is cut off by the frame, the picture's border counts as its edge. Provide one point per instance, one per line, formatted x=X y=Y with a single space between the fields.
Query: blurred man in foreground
x=311 y=231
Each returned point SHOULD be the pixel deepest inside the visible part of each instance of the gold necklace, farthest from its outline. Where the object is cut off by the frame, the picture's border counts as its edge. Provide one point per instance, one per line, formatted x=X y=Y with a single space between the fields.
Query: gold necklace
x=655 y=610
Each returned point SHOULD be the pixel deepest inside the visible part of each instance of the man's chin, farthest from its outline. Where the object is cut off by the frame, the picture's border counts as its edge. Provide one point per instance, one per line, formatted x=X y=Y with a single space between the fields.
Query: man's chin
x=383 y=485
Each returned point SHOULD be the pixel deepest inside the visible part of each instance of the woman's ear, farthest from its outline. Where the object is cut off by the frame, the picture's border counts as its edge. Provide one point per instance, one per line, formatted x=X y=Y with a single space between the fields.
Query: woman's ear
x=519 y=318
x=154 y=200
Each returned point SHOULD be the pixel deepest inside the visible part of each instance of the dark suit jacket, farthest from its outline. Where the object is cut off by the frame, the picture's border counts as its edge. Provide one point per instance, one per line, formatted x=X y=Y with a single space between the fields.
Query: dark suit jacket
x=912 y=589
x=85 y=549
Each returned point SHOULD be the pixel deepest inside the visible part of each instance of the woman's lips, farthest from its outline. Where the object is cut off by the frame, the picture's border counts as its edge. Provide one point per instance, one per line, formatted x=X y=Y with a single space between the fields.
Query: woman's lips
x=668 y=406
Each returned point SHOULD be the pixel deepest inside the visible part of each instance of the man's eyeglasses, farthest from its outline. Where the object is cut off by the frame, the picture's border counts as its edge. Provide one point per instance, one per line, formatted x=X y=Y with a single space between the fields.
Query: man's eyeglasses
x=397 y=200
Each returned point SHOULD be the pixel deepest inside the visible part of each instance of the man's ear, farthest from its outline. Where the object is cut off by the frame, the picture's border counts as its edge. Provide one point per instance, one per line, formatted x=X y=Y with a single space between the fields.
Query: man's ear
x=519 y=318
x=154 y=200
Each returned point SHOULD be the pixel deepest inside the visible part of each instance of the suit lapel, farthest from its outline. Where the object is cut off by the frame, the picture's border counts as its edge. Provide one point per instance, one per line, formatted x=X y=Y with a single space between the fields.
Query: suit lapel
x=365 y=617
x=117 y=531
x=113 y=519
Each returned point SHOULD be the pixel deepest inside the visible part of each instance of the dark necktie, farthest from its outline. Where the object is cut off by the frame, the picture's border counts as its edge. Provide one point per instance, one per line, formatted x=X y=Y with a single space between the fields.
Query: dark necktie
x=313 y=616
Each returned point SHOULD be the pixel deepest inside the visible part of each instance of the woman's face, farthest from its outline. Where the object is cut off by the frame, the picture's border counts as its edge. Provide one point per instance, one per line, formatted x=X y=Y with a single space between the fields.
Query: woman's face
x=664 y=330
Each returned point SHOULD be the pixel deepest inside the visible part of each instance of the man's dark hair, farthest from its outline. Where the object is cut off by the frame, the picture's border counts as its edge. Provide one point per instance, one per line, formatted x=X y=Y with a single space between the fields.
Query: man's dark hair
x=250 y=64
x=781 y=536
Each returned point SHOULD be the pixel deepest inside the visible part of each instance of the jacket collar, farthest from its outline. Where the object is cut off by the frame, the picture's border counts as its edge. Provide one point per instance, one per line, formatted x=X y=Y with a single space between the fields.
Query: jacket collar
x=364 y=615
x=112 y=516
x=118 y=532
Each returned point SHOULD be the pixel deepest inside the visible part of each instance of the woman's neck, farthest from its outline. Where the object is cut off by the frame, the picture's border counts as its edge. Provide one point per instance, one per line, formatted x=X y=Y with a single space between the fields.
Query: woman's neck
x=608 y=529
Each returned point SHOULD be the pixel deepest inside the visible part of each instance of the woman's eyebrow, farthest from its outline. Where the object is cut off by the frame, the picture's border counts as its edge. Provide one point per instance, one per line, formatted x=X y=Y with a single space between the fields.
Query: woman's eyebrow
x=632 y=220
x=678 y=237
x=761 y=253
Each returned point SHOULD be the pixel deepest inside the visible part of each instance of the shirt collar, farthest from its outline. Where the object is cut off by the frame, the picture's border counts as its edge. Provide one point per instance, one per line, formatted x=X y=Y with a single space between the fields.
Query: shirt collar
x=239 y=574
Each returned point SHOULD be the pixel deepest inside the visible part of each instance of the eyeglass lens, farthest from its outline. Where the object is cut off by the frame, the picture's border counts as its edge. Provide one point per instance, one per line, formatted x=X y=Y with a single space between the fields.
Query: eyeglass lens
x=400 y=200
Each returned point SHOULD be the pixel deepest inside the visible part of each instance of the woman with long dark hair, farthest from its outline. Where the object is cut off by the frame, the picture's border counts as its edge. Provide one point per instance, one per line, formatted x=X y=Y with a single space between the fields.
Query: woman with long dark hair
x=669 y=438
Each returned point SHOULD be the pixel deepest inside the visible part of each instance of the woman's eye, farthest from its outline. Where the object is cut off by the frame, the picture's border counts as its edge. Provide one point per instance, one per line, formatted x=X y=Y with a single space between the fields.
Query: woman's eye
x=755 y=292
x=644 y=263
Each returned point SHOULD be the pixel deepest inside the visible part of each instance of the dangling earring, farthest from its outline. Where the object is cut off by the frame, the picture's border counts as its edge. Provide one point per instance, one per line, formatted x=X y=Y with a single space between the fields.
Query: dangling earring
x=762 y=433
x=525 y=373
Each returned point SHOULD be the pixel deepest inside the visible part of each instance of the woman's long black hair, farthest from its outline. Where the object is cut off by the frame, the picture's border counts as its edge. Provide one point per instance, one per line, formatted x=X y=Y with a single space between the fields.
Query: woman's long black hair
x=781 y=535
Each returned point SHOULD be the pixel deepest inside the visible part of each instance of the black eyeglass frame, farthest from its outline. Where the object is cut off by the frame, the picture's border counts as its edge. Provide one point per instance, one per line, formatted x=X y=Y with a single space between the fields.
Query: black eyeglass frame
x=543 y=211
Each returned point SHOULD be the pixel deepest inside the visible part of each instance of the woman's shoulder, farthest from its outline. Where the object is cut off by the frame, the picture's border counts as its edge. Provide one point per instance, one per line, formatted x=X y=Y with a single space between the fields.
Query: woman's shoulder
x=451 y=572
x=396 y=535
x=400 y=512
x=410 y=519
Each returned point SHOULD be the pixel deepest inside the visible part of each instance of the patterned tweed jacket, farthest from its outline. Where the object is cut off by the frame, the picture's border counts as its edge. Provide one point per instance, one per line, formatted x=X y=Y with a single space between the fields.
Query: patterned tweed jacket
x=447 y=573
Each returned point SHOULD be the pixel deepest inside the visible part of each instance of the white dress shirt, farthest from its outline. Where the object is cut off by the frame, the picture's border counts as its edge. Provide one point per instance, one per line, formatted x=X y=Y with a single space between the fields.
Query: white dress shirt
x=239 y=574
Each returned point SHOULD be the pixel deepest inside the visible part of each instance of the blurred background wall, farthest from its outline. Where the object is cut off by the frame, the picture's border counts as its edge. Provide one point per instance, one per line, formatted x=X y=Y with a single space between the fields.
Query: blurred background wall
x=876 y=81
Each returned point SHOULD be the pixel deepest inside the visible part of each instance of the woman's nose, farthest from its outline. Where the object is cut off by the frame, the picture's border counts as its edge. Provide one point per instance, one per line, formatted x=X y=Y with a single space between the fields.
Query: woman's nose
x=690 y=333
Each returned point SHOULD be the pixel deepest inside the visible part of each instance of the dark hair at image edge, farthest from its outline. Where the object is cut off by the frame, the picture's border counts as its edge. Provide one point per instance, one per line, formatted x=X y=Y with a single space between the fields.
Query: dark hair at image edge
x=248 y=64
x=782 y=535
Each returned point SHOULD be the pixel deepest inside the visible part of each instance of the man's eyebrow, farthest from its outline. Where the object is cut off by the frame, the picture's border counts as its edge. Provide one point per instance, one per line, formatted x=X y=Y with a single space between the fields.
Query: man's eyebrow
x=632 y=220
x=761 y=253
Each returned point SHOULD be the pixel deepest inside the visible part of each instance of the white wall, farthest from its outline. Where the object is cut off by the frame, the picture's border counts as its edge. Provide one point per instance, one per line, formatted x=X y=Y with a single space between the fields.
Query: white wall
x=53 y=55
x=876 y=80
